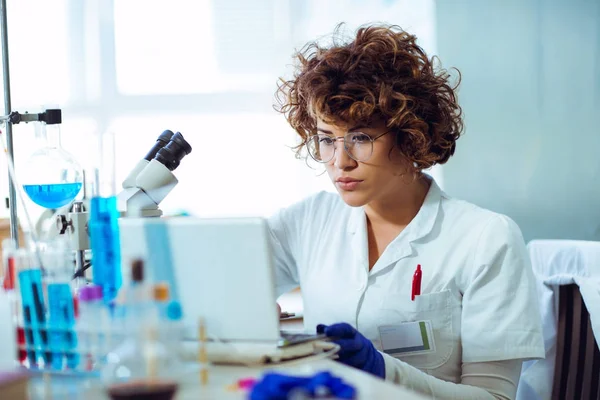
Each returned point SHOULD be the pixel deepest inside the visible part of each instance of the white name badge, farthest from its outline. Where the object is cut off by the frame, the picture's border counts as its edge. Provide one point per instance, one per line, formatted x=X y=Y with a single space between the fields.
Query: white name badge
x=407 y=338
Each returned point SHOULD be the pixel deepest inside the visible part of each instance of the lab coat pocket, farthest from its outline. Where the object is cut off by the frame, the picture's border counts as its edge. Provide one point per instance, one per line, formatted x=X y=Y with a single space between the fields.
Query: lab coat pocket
x=434 y=307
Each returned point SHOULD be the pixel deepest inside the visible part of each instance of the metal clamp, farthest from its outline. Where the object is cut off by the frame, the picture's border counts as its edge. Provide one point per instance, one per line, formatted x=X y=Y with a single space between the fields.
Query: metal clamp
x=63 y=224
x=49 y=117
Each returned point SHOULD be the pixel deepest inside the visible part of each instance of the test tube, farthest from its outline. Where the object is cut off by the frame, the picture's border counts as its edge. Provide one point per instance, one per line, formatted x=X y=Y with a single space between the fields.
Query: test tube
x=62 y=337
x=21 y=262
x=11 y=287
x=168 y=315
x=8 y=249
x=138 y=299
x=91 y=324
x=106 y=252
x=34 y=313
x=103 y=224
x=105 y=168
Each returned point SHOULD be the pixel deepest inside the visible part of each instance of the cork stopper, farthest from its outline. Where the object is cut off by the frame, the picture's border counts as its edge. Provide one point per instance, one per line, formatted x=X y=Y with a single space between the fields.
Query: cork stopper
x=161 y=292
x=137 y=270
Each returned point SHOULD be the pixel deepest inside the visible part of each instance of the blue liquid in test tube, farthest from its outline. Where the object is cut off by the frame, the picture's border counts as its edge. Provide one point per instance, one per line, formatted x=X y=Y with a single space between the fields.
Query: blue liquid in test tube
x=63 y=340
x=53 y=196
x=106 y=250
x=34 y=315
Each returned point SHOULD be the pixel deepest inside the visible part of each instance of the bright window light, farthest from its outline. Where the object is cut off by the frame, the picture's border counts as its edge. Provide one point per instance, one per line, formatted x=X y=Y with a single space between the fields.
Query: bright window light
x=240 y=164
x=164 y=47
x=38 y=51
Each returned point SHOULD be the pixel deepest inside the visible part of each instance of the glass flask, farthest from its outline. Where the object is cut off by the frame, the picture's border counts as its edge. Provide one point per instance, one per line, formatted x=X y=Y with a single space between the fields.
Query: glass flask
x=51 y=177
x=143 y=366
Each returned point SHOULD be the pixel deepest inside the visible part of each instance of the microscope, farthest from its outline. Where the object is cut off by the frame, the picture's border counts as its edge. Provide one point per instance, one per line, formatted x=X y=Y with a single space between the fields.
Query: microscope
x=150 y=181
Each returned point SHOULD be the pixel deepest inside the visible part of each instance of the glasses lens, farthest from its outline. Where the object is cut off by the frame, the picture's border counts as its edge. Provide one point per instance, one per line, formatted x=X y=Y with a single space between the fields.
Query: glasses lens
x=321 y=147
x=358 y=145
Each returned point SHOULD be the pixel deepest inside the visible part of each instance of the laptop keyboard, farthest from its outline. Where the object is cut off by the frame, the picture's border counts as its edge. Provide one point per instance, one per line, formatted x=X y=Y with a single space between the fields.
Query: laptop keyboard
x=295 y=337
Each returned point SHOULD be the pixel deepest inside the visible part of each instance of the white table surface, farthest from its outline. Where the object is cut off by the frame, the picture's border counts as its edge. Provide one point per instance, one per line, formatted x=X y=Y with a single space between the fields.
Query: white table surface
x=222 y=379
x=367 y=386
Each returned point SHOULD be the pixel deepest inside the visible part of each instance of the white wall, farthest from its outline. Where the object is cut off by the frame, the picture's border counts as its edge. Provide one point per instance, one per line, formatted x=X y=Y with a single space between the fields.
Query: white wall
x=531 y=97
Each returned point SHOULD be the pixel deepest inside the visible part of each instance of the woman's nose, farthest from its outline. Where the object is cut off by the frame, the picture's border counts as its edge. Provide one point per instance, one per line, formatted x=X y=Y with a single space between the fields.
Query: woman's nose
x=342 y=159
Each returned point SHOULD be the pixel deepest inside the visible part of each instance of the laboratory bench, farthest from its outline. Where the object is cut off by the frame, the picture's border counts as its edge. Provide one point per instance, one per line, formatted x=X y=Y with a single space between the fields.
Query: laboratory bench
x=223 y=380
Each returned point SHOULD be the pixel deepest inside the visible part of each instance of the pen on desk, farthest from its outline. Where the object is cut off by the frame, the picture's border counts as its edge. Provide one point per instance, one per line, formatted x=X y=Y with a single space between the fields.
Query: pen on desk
x=151 y=361
x=416 y=283
x=202 y=355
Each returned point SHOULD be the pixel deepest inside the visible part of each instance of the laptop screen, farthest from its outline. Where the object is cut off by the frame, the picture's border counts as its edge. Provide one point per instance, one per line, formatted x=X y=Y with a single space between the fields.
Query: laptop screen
x=218 y=269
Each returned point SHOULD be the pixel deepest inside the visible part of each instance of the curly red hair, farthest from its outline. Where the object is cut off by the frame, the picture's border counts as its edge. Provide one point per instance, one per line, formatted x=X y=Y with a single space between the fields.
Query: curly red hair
x=381 y=75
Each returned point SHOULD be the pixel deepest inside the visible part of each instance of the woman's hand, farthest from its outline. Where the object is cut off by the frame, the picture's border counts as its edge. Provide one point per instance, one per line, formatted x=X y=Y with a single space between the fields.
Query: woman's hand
x=356 y=350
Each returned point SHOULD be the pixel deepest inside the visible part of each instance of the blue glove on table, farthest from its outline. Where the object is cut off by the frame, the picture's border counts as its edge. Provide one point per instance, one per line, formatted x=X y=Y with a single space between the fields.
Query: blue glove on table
x=275 y=386
x=355 y=350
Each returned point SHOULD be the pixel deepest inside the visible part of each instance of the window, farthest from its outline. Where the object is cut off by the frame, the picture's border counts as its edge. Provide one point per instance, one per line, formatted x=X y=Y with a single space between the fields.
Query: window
x=205 y=68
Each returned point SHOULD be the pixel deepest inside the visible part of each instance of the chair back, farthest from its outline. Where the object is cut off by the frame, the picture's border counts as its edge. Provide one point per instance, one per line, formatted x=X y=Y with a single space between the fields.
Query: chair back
x=577 y=367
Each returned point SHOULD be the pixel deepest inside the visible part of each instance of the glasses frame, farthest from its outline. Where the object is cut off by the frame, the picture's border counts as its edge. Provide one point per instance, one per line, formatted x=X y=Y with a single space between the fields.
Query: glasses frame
x=343 y=138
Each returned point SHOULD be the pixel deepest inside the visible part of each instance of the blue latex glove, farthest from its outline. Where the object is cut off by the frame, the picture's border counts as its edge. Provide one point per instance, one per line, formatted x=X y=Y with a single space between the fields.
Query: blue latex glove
x=275 y=386
x=355 y=350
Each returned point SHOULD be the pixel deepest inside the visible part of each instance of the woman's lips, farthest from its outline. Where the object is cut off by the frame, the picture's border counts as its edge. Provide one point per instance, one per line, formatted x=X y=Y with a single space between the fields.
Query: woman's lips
x=348 y=183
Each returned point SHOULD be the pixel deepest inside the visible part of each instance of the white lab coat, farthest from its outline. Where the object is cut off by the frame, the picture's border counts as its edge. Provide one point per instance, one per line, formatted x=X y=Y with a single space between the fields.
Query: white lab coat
x=477 y=285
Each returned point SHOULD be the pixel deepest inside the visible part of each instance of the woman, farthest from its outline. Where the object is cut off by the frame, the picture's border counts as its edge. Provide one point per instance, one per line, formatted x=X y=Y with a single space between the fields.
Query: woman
x=376 y=113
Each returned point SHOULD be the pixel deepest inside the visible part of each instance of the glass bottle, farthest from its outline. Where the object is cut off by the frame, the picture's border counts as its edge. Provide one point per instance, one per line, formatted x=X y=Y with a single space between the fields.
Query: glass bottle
x=142 y=366
x=51 y=177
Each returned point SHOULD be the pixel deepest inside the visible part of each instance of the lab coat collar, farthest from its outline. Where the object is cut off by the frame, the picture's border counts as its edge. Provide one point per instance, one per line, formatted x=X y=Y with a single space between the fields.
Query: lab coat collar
x=421 y=225
x=425 y=219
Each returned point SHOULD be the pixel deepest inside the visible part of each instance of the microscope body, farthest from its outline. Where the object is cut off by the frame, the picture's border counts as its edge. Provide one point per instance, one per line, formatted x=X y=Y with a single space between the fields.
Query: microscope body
x=150 y=181
x=152 y=184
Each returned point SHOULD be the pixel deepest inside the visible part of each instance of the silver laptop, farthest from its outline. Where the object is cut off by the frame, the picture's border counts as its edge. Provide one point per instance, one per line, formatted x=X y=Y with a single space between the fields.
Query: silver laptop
x=218 y=269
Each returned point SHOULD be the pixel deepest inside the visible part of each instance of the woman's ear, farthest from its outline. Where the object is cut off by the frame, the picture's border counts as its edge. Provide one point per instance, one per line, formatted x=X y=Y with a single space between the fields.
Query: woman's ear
x=401 y=164
x=407 y=171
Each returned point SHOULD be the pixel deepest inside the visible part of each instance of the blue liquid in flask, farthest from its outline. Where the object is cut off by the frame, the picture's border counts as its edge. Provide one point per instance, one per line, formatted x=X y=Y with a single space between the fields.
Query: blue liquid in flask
x=54 y=195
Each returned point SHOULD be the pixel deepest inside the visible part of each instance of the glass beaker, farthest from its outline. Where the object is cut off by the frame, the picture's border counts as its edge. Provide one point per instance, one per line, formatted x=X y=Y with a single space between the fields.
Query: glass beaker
x=52 y=177
x=141 y=368
x=144 y=366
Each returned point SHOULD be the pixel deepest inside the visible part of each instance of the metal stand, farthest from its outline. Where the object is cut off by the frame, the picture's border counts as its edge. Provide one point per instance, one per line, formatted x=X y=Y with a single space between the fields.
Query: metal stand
x=49 y=117
x=12 y=194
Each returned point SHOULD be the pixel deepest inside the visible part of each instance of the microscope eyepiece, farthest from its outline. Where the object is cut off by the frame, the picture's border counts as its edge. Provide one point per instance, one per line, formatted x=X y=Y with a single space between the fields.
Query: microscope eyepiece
x=172 y=154
x=161 y=142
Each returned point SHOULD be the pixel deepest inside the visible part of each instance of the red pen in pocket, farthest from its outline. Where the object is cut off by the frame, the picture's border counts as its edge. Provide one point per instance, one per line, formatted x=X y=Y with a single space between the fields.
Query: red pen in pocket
x=416 y=283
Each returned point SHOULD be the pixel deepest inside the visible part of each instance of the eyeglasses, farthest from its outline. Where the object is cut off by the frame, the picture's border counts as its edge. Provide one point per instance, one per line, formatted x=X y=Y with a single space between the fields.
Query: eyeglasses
x=358 y=145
